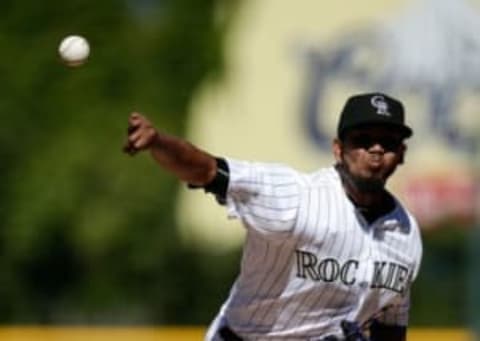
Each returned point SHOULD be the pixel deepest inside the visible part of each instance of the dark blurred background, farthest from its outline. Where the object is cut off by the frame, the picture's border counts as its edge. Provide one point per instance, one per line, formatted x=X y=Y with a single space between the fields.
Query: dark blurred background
x=88 y=236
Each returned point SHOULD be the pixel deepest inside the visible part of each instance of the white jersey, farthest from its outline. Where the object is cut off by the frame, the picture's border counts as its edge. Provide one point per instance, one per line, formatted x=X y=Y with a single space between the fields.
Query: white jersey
x=311 y=260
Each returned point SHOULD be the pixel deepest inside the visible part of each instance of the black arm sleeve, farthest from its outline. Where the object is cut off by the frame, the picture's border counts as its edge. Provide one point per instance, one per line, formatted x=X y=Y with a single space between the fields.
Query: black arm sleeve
x=219 y=185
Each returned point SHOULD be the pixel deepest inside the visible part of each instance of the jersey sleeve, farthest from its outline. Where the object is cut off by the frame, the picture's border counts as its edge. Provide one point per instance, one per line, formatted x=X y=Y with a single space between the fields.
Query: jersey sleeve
x=266 y=197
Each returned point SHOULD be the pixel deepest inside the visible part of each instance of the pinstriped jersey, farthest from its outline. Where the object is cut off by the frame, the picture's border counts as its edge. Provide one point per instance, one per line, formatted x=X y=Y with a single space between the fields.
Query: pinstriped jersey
x=310 y=259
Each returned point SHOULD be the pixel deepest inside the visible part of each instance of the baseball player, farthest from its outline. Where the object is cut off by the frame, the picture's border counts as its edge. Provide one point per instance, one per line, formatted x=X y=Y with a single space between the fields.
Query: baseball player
x=329 y=255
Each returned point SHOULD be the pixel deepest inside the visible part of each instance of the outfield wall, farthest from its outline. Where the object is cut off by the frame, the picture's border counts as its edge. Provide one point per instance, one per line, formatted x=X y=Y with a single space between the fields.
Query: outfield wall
x=173 y=333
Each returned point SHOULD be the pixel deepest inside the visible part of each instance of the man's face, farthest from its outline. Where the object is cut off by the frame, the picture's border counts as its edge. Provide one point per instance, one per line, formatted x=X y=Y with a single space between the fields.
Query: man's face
x=370 y=154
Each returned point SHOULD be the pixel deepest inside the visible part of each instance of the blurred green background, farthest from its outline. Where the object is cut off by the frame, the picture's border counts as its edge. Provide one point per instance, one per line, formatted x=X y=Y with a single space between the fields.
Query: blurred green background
x=88 y=235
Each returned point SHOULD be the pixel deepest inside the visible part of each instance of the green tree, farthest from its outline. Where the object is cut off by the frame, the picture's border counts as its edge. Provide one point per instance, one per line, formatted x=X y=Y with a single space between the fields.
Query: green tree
x=87 y=235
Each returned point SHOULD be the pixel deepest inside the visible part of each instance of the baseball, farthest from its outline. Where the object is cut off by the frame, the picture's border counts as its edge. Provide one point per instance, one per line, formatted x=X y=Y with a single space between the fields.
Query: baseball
x=74 y=50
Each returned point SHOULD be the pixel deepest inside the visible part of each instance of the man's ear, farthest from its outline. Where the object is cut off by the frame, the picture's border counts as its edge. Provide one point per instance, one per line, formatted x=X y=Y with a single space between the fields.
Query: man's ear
x=337 y=150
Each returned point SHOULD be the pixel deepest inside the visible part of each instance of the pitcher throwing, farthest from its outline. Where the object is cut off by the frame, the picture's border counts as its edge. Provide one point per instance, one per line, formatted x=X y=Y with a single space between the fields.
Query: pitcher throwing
x=328 y=255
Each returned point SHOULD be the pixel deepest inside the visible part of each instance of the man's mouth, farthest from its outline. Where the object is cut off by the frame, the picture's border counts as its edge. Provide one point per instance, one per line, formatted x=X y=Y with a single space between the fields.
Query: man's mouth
x=375 y=162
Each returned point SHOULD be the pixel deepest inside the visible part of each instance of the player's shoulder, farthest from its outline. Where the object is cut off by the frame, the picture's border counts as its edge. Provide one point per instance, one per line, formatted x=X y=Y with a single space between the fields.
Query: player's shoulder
x=277 y=172
x=404 y=210
x=268 y=172
x=407 y=220
x=326 y=177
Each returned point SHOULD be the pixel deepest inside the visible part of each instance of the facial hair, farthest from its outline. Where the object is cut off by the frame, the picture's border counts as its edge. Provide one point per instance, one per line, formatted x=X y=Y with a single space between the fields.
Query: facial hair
x=361 y=184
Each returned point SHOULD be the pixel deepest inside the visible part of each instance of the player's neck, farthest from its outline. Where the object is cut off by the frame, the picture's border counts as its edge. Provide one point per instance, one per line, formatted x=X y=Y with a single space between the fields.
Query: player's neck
x=364 y=199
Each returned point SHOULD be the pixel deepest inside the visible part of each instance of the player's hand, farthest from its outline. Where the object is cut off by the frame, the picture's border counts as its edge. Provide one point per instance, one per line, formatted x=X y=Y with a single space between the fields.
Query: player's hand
x=141 y=134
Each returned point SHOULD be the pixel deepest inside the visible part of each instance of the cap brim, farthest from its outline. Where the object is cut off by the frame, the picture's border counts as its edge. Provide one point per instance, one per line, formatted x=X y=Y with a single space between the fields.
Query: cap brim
x=404 y=130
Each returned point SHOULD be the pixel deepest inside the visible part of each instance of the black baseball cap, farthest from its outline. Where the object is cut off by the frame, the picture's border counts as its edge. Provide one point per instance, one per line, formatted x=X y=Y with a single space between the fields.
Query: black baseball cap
x=373 y=109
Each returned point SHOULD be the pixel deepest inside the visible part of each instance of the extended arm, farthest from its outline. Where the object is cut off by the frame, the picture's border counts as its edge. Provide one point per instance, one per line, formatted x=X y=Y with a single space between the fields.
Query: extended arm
x=177 y=156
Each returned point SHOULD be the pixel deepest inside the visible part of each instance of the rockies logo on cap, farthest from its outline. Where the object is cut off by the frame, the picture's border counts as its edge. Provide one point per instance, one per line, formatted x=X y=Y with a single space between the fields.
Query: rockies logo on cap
x=380 y=104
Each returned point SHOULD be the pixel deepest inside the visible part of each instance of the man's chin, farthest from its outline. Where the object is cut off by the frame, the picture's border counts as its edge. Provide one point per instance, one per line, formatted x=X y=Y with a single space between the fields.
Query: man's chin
x=368 y=185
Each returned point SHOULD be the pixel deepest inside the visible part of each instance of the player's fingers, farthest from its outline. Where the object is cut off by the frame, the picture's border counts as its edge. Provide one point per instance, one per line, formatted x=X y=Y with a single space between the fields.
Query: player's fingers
x=136 y=133
x=141 y=133
x=147 y=133
x=138 y=121
x=131 y=129
x=137 y=118
x=129 y=149
x=144 y=141
x=135 y=115
x=134 y=121
x=135 y=128
x=139 y=140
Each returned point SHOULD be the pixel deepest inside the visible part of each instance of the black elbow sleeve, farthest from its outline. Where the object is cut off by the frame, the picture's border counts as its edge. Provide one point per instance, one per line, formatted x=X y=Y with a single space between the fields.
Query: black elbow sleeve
x=219 y=185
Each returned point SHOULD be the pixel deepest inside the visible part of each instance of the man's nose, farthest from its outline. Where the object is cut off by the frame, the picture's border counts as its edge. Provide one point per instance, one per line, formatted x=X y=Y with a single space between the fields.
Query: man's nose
x=376 y=147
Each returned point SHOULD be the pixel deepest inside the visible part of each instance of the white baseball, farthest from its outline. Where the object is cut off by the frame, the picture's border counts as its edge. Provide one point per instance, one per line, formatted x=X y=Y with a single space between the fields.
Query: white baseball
x=74 y=50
